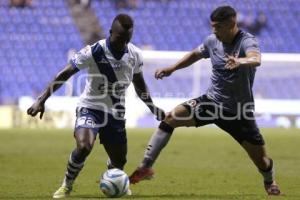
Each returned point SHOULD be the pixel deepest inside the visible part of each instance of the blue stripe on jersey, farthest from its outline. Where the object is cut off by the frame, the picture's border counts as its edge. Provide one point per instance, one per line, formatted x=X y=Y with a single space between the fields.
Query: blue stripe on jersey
x=106 y=69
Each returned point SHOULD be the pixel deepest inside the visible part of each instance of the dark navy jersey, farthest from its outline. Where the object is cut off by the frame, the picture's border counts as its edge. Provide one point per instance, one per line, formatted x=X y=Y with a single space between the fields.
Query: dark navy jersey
x=231 y=89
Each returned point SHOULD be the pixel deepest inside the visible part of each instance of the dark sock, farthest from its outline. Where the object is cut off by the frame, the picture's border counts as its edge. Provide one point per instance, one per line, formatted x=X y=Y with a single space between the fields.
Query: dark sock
x=268 y=174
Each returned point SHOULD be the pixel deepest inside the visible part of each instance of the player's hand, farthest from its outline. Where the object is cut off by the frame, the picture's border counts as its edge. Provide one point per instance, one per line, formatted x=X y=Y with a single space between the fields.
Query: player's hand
x=232 y=62
x=37 y=107
x=158 y=112
x=164 y=72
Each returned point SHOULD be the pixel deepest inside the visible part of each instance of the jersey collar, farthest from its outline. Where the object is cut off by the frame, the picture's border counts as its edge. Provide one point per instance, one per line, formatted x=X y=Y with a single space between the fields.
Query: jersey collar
x=116 y=55
x=237 y=37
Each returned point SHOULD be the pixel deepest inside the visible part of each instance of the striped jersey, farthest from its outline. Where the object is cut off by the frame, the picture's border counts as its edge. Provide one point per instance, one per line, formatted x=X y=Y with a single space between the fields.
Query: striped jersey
x=107 y=77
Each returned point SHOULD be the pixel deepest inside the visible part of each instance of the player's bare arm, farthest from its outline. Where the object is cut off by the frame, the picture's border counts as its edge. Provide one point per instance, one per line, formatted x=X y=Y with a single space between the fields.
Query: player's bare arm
x=186 y=61
x=143 y=93
x=252 y=59
x=38 y=106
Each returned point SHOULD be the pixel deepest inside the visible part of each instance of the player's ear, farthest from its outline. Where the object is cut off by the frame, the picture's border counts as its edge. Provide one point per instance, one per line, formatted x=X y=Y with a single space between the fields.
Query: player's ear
x=233 y=22
x=110 y=31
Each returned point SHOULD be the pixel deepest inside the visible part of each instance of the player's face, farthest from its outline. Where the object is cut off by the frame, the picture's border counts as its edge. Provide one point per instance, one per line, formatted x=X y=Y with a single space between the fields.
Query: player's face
x=223 y=30
x=120 y=37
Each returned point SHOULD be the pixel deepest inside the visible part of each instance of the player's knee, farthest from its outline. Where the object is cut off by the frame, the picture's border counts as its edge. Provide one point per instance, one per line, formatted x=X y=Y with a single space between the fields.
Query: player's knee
x=84 y=148
x=170 y=120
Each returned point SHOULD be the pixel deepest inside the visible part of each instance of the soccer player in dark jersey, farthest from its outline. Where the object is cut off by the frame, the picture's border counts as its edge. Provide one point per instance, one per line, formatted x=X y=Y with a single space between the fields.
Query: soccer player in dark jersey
x=228 y=102
x=112 y=64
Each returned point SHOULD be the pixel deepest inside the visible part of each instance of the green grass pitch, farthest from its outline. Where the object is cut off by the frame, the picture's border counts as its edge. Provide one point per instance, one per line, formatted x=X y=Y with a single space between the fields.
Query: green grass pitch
x=203 y=163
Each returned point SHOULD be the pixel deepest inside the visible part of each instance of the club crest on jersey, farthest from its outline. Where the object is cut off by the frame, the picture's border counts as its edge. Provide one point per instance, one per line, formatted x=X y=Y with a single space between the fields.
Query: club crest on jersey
x=84 y=111
x=215 y=50
x=131 y=62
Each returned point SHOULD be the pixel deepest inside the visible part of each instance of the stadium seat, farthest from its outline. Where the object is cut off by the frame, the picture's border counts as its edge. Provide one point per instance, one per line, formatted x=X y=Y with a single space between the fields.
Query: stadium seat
x=37 y=39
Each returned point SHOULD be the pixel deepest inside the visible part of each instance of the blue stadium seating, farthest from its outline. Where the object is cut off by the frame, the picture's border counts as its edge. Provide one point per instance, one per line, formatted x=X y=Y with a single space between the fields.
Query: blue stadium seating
x=34 y=41
x=182 y=25
x=34 y=46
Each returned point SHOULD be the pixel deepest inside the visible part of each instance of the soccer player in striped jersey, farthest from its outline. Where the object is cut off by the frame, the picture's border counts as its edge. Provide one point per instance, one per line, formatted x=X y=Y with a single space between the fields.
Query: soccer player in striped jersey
x=228 y=102
x=112 y=64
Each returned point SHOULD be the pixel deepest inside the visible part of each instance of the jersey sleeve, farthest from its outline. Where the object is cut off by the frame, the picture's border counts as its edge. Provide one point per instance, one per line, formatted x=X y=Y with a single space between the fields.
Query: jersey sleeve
x=250 y=44
x=203 y=48
x=82 y=59
x=139 y=63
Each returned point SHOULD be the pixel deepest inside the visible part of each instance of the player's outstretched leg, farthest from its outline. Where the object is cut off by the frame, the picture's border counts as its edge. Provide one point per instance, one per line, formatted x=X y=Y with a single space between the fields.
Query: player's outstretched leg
x=265 y=166
x=180 y=116
x=85 y=141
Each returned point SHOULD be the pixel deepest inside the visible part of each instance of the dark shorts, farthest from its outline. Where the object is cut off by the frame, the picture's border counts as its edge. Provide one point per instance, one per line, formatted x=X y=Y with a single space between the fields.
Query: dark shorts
x=242 y=126
x=111 y=130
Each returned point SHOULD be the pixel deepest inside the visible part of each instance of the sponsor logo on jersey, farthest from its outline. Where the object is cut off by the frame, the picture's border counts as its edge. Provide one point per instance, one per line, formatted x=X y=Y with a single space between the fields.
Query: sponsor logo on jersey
x=117 y=66
x=117 y=89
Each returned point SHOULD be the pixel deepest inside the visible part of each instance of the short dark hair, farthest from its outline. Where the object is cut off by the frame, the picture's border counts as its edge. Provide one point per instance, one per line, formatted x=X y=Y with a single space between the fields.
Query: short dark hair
x=125 y=20
x=222 y=13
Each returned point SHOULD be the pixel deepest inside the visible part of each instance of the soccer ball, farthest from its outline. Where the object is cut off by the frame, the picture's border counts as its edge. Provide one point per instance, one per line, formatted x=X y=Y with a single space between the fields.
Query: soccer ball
x=114 y=183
